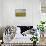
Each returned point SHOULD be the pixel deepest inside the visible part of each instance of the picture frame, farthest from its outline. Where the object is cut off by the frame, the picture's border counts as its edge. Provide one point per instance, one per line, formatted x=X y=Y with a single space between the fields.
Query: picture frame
x=20 y=12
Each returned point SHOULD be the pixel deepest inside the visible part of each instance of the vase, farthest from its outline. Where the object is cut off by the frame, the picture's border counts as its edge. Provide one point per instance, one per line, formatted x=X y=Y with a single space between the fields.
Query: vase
x=34 y=43
x=42 y=34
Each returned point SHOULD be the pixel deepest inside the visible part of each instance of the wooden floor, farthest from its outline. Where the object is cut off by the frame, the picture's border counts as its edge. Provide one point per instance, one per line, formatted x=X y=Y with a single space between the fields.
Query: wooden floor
x=42 y=41
x=16 y=44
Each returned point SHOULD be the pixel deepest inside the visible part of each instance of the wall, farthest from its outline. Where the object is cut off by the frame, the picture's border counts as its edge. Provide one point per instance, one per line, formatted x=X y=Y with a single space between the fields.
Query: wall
x=43 y=10
x=0 y=12
x=32 y=9
x=36 y=12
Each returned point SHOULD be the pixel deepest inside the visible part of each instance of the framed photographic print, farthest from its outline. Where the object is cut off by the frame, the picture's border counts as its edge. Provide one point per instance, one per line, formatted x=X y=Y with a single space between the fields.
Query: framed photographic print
x=20 y=12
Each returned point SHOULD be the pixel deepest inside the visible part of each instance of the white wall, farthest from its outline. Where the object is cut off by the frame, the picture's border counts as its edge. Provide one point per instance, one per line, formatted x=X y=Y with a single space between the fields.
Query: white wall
x=32 y=9
x=0 y=13
x=36 y=12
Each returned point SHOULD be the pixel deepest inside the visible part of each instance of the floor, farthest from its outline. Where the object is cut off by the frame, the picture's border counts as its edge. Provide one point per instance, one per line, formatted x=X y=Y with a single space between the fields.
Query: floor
x=43 y=41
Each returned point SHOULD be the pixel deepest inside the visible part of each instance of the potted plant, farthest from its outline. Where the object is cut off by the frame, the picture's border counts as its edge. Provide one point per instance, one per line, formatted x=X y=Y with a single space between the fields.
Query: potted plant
x=41 y=27
x=34 y=39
